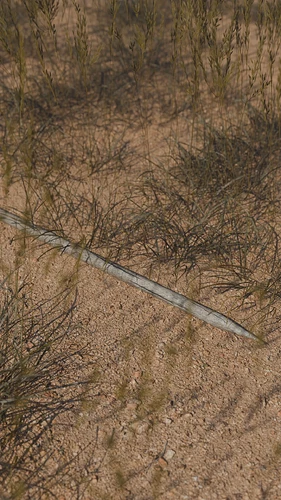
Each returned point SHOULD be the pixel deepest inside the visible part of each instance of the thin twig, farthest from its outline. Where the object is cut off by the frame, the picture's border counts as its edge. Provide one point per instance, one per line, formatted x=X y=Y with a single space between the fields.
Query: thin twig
x=190 y=306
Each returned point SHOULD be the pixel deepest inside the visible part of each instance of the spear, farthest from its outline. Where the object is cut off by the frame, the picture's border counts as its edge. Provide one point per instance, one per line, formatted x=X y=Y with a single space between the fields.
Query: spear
x=190 y=306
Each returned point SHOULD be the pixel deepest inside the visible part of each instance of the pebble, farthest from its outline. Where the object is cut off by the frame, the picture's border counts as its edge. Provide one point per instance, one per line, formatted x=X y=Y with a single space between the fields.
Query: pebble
x=168 y=421
x=162 y=462
x=169 y=454
x=140 y=428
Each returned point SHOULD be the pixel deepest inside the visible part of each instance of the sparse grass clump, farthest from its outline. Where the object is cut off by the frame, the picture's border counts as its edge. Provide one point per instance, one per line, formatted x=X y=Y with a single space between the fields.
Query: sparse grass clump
x=37 y=378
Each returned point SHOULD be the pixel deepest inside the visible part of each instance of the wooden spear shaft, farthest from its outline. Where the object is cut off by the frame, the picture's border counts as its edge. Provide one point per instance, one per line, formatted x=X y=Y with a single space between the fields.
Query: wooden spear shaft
x=190 y=306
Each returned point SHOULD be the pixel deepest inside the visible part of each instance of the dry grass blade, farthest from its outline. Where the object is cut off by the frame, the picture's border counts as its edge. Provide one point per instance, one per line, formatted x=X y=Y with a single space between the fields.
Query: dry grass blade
x=196 y=309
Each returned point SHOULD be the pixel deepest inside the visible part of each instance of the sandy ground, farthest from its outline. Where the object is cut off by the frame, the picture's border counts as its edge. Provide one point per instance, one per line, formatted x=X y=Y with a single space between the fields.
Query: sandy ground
x=175 y=408
x=168 y=415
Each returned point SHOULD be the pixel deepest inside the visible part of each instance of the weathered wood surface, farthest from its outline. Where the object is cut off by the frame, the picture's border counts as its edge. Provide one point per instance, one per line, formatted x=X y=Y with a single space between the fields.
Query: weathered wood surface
x=190 y=306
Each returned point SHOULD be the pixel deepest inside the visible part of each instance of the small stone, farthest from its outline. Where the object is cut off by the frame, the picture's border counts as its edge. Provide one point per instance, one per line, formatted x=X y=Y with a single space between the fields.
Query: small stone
x=140 y=427
x=169 y=454
x=163 y=463
x=168 y=421
x=143 y=428
x=187 y=416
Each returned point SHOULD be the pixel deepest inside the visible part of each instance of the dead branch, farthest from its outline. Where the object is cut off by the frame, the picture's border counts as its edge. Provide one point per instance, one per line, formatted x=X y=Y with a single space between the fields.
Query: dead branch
x=190 y=306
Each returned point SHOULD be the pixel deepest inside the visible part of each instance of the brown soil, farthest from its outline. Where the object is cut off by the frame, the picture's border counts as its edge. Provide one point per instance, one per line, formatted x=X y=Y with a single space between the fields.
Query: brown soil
x=174 y=409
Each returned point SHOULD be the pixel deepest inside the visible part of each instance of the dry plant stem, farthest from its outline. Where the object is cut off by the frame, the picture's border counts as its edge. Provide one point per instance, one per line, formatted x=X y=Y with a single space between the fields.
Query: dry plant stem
x=190 y=306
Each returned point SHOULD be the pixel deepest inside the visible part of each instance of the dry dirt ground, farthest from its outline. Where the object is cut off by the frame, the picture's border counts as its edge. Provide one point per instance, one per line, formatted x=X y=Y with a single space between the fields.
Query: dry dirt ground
x=167 y=414
x=173 y=408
